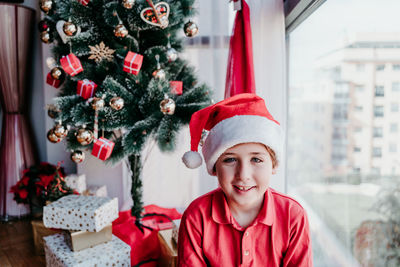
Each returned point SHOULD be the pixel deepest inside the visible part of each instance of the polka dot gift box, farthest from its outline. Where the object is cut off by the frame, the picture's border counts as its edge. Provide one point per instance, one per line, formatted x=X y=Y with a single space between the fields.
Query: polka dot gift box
x=78 y=212
x=112 y=253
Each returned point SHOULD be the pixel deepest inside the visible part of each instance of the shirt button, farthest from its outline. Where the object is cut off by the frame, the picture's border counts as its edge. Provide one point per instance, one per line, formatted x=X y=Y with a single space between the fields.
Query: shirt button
x=246 y=253
x=246 y=234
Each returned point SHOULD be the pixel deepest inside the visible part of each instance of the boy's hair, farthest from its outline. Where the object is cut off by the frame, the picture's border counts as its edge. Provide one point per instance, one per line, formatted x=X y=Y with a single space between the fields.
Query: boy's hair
x=271 y=153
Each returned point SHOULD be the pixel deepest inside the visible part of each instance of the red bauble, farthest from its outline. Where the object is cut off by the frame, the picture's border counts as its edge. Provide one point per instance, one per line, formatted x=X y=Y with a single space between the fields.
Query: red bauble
x=43 y=26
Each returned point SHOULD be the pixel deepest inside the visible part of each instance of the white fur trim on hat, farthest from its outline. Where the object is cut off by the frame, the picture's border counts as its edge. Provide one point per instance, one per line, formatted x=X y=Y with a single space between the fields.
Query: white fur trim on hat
x=241 y=129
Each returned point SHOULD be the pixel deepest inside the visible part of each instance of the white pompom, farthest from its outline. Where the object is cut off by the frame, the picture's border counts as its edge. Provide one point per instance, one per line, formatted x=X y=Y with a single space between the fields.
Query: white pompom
x=192 y=159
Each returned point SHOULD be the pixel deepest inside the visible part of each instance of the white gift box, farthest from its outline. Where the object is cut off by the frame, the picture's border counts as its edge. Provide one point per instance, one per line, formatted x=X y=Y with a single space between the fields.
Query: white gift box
x=112 y=253
x=78 y=212
x=77 y=182
x=99 y=191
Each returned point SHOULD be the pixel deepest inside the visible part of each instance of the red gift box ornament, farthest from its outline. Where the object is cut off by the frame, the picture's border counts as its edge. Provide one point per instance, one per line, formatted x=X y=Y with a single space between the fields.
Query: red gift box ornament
x=133 y=63
x=84 y=2
x=71 y=64
x=176 y=87
x=51 y=81
x=86 y=88
x=103 y=148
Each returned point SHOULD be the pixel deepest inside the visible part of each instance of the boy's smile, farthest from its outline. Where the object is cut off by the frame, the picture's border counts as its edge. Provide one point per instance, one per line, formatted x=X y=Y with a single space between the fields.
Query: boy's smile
x=243 y=173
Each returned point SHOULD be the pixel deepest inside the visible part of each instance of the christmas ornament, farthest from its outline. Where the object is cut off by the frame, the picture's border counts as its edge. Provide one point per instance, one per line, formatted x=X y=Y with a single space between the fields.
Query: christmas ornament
x=57 y=73
x=69 y=28
x=176 y=87
x=101 y=52
x=159 y=73
x=52 y=137
x=120 y=31
x=84 y=2
x=128 y=4
x=84 y=136
x=51 y=81
x=43 y=26
x=60 y=131
x=77 y=156
x=52 y=111
x=98 y=103
x=156 y=15
x=51 y=62
x=172 y=55
x=190 y=28
x=46 y=5
x=71 y=64
x=60 y=29
x=86 y=88
x=133 y=63
x=46 y=37
x=117 y=103
x=167 y=106
x=102 y=148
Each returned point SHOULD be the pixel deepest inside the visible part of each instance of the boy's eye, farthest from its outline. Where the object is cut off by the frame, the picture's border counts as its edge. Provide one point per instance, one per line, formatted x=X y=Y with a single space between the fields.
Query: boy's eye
x=256 y=160
x=229 y=160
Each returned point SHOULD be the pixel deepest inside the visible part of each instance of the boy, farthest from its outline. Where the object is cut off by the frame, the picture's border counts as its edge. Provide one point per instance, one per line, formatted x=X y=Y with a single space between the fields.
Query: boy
x=243 y=222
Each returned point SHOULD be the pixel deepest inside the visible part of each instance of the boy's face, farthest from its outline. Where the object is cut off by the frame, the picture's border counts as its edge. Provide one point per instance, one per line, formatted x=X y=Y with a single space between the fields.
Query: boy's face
x=243 y=173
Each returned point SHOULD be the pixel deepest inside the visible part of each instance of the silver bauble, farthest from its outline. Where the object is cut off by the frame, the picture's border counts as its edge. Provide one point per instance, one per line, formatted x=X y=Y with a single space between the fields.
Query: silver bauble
x=60 y=131
x=120 y=31
x=117 y=103
x=190 y=29
x=128 y=4
x=159 y=74
x=77 y=156
x=172 y=55
x=69 y=28
x=98 y=103
x=167 y=106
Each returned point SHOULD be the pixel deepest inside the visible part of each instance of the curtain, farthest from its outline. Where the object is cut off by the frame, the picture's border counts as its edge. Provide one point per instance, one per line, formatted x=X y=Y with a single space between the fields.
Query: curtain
x=16 y=149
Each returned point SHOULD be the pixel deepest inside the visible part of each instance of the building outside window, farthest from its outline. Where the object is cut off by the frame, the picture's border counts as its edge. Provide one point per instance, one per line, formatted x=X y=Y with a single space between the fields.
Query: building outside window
x=394 y=107
x=396 y=67
x=338 y=62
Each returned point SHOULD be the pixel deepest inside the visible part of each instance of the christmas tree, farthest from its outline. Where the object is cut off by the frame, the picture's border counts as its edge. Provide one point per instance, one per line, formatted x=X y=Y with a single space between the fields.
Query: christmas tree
x=118 y=68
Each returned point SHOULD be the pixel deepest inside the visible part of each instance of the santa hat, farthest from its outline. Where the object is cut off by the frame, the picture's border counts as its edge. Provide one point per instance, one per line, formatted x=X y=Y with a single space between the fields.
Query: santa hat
x=243 y=118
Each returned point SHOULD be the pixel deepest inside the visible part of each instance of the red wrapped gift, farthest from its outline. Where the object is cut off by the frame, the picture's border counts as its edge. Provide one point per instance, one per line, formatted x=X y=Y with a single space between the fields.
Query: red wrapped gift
x=71 y=64
x=86 y=88
x=133 y=63
x=84 y=2
x=176 y=87
x=53 y=82
x=102 y=148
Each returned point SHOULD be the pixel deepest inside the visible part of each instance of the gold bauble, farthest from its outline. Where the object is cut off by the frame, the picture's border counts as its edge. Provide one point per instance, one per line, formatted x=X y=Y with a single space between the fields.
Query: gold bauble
x=117 y=103
x=159 y=74
x=69 y=28
x=98 y=103
x=52 y=137
x=45 y=37
x=60 y=131
x=52 y=111
x=84 y=136
x=57 y=73
x=77 y=156
x=190 y=28
x=46 y=5
x=128 y=4
x=120 y=31
x=167 y=106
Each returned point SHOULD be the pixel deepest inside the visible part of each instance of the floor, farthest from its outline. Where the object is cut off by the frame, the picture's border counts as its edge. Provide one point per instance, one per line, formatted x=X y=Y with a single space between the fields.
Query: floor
x=16 y=245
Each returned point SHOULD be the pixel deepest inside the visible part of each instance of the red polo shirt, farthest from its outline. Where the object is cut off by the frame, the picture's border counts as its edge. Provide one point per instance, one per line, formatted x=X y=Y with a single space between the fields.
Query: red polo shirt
x=210 y=236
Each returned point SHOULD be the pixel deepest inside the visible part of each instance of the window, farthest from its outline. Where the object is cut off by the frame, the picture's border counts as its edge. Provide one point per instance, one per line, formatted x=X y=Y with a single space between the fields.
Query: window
x=392 y=147
x=380 y=67
x=378 y=132
x=378 y=111
x=379 y=91
x=360 y=67
x=393 y=127
x=394 y=107
x=377 y=152
x=396 y=86
x=396 y=67
x=336 y=183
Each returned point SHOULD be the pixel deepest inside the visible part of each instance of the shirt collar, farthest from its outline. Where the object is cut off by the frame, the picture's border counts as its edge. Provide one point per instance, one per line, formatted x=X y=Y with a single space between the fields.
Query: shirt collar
x=221 y=213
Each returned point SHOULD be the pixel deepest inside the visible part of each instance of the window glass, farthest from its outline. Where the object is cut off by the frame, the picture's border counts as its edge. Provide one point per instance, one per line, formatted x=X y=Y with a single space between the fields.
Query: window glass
x=396 y=67
x=344 y=58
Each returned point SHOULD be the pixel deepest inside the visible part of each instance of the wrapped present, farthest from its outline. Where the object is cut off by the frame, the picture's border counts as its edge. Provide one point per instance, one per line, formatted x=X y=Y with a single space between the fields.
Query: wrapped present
x=176 y=87
x=133 y=63
x=76 y=182
x=111 y=253
x=95 y=190
x=84 y=2
x=78 y=212
x=78 y=240
x=51 y=81
x=71 y=64
x=86 y=88
x=39 y=231
x=169 y=250
x=102 y=148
